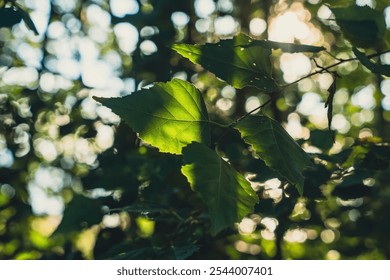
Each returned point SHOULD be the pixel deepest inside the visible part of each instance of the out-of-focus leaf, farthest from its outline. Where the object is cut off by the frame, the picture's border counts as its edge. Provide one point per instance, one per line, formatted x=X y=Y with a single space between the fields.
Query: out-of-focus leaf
x=142 y=208
x=227 y=194
x=373 y=67
x=80 y=213
x=26 y=18
x=168 y=116
x=321 y=139
x=373 y=162
x=185 y=251
x=238 y=65
x=362 y=26
x=353 y=186
x=9 y=17
x=357 y=155
x=314 y=178
x=146 y=251
x=276 y=147
x=382 y=151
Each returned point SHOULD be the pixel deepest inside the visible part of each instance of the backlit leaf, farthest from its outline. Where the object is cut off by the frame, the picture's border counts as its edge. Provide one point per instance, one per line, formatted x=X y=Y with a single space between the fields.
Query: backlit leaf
x=168 y=116
x=285 y=47
x=374 y=68
x=234 y=61
x=362 y=26
x=276 y=147
x=227 y=194
x=241 y=61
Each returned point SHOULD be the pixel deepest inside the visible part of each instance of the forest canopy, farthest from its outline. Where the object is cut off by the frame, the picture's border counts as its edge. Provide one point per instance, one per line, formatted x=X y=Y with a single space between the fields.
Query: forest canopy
x=200 y=129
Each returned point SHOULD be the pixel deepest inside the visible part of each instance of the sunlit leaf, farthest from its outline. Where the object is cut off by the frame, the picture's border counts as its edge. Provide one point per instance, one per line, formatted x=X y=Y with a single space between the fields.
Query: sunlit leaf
x=276 y=147
x=227 y=194
x=238 y=65
x=362 y=26
x=241 y=61
x=168 y=116
x=373 y=67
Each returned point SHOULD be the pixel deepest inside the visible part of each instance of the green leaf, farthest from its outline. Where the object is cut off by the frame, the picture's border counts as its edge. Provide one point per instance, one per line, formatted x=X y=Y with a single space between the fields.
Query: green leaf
x=329 y=102
x=276 y=147
x=185 y=251
x=80 y=213
x=321 y=139
x=238 y=65
x=374 y=68
x=362 y=26
x=26 y=18
x=241 y=61
x=129 y=250
x=353 y=185
x=168 y=116
x=285 y=47
x=143 y=208
x=227 y=194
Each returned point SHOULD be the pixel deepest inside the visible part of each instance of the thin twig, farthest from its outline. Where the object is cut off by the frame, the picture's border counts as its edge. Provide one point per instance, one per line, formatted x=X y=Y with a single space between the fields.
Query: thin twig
x=326 y=69
x=335 y=57
x=234 y=123
x=249 y=113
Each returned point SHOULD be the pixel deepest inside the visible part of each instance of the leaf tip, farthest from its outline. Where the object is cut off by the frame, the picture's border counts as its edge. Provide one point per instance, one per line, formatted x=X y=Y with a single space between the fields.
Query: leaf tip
x=98 y=99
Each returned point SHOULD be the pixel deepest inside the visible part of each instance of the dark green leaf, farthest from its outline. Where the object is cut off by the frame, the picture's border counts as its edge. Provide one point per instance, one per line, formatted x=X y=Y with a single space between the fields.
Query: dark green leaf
x=314 y=178
x=227 y=194
x=131 y=251
x=374 y=162
x=329 y=102
x=353 y=186
x=168 y=116
x=322 y=139
x=284 y=47
x=9 y=17
x=276 y=147
x=184 y=251
x=362 y=26
x=142 y=208
x=229 y=60
x=373 y=67
x=27 y=19
x=80 y=213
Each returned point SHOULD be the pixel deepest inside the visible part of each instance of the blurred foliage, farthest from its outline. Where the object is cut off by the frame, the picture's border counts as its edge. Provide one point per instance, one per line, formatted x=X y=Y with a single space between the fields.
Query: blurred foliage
x=77 y=183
